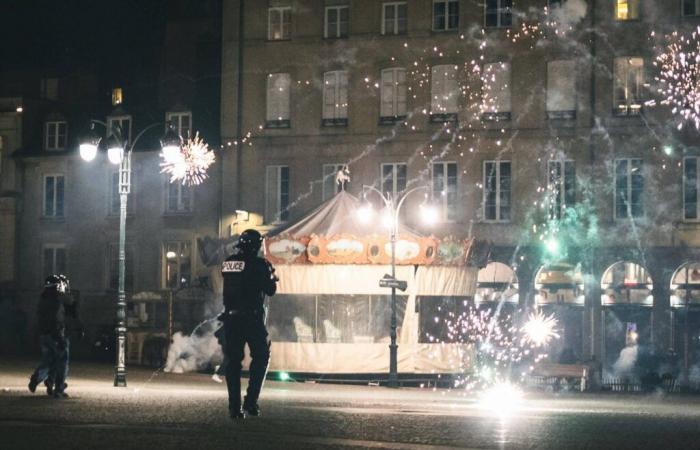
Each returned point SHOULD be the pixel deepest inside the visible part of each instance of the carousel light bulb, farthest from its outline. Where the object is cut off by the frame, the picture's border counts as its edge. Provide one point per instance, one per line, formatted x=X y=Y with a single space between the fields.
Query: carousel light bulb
x=387 y=218
x=365 y=213
x=429 y=214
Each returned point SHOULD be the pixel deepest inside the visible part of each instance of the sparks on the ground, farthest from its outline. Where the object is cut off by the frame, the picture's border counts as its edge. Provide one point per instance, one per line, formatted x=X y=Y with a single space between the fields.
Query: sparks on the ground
x=503 y=398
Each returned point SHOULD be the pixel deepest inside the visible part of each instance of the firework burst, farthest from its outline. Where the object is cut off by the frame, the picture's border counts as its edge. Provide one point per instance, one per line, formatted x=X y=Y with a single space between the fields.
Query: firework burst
x=190 y=167
x=540 y=329
x=678 y=76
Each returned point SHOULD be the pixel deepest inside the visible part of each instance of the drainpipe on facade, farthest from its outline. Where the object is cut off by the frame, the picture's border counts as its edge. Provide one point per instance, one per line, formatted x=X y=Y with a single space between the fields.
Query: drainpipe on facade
x=239 y=104
x=593 y=316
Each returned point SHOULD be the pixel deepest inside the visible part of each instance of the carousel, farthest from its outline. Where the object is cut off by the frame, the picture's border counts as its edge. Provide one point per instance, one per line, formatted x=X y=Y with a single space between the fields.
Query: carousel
x=330 y=314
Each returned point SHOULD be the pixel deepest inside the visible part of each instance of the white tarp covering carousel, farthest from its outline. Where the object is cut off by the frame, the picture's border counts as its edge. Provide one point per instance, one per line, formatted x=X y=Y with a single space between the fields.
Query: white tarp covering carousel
x=331 y=316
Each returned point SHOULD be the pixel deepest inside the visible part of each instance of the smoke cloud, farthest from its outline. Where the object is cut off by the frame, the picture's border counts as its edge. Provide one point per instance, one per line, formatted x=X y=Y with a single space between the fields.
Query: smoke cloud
x=195 y=352
x=568 y=14
x=626 y=361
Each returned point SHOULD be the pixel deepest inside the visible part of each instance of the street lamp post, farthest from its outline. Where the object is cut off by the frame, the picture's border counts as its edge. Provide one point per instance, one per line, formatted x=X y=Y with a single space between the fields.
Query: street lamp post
x=392 y=209
x=119 y=150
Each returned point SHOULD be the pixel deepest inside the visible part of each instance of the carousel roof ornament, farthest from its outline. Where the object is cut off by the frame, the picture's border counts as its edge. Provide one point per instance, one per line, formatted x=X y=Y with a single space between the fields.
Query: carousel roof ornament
x=333 y=234
x=342 y=178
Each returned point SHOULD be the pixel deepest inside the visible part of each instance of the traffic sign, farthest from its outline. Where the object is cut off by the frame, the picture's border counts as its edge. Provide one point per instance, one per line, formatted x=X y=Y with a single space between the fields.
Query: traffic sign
x=389 y=282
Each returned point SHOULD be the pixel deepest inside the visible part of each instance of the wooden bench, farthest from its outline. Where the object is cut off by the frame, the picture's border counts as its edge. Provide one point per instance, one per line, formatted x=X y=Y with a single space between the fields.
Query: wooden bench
x=564 y=372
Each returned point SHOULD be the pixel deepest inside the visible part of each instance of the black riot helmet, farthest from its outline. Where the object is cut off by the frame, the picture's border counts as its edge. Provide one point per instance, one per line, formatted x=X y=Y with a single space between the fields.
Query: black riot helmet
x=249 y=242
x=52 y=282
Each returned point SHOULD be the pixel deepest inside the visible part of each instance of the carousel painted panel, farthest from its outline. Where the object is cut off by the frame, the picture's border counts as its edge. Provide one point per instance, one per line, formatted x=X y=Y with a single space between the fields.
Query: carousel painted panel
x=286 y=250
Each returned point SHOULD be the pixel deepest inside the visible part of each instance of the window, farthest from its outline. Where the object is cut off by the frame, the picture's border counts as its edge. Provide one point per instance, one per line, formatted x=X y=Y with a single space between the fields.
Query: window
x=394 y=18
x=393 y=178
x=444 y=93
x=393 y=95
x=277 y=194
x=628 y=83
x=335 y=98
x=114 y=198
x=497 y=183
x=54 y=259
x=445 y=15
x=336 y=25
x=279 y=23
x=120 y=122
x=117 y=97
x=53 y=195
x=561 y=89
x=330 y=187
x=182 y=122
x=445 y=188
x=629 y=186
x=554 y=3
x=691 y=7
x=496 y=92
x=49 y=88
x=278 y=94
x=177 y=264
x=690 y=189
x=113 y=268
x=56 y=135
x=178 y=198
x=626 y=9
x=498 y=13
x=561 y=182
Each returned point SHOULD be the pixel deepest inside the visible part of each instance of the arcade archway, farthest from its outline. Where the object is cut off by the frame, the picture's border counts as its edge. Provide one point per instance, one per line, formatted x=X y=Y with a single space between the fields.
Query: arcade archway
x=560 y=291
x=627 y=317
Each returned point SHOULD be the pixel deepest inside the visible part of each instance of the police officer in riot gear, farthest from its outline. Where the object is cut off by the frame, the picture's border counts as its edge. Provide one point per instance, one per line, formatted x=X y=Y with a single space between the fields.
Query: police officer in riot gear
x=55 y=305
x=247 y=280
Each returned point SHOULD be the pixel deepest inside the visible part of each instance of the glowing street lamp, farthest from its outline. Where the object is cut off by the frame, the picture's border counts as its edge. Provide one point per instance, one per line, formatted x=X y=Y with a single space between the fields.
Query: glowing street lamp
x=119 y=150
x=89 y=144
x=171 y=144
x=390 y=220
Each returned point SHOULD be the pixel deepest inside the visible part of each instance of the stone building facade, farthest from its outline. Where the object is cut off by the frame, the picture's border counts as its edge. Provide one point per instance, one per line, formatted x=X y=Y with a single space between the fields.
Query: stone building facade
x=549 y=153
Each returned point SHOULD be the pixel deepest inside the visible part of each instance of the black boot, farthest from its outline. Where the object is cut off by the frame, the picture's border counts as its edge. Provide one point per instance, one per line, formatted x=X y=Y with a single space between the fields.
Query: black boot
x=32 y=384
x=49 y=387
x=235 y=414
x=251 y=408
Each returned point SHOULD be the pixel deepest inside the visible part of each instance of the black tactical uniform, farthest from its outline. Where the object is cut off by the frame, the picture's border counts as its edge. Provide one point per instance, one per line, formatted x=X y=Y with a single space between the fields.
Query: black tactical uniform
x=247 y=280
x=55 y=306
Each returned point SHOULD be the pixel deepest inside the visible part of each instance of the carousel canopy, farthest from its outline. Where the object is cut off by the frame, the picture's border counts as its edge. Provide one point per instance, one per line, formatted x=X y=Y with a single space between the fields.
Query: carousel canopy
x=334 y=234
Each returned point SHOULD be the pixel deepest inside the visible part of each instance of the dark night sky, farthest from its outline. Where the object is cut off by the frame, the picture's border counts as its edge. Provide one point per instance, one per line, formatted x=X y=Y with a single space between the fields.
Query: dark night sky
x=117 y=38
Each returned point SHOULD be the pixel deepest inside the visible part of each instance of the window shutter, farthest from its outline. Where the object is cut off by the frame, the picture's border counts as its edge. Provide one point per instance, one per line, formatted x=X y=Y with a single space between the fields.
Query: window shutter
x=690 y=188
x=444 y=89
x=400 y=92
x=561 y=86
x=437 y=88
x=329 y=101
x=342 y=109
x=278 y=86
x=387 y=93
x=569 y=183
x=499 y=89
x=271 y=194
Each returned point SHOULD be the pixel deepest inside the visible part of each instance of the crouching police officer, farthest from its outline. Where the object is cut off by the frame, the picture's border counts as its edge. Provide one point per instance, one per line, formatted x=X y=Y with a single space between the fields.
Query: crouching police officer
x=247 y=279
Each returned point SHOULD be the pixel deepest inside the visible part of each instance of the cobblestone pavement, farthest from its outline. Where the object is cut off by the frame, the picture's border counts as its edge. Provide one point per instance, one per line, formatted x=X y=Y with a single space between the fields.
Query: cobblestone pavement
x=160 y=411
